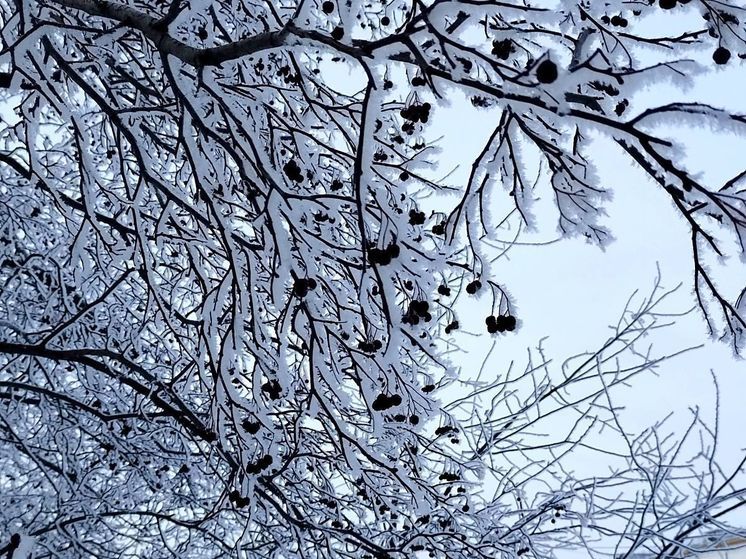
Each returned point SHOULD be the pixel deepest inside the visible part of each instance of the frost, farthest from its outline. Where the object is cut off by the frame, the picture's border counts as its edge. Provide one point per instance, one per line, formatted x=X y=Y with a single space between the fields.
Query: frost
x=233 y=247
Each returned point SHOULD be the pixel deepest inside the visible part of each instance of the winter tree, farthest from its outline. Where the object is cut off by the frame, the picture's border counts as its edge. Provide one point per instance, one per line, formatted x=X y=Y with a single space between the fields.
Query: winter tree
x=225 y=305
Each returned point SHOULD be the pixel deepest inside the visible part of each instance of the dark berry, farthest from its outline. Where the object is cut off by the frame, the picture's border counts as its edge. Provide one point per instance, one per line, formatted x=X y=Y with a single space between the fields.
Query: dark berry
x=300 y=288
x=721 y=55
x=385 y=20
x=509 y=322
x=473 y=287
x=667 y=4
x=444 y=290
x=327 y=7
x=338 y=33
x=546 y=72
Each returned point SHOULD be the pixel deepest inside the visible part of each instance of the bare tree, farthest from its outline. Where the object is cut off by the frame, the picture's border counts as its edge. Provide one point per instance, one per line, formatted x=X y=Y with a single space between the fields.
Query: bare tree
x=223 y=311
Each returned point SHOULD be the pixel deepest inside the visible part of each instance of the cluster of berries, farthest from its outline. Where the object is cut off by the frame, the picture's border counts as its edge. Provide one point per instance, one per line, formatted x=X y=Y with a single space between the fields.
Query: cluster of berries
x=273 y=389
x=416 y=218
x=500 y=323
x=383 y=256
x=262 y=464
x=288 y=75
x=616 y=21
x=439 y=228
x=302 y=286
x=400 y=417
x=445 y=429
x=239 y=501
x=417 y=310
x=503 y=49
x=621 y=107
x=369 y=347
x=251 y=427
x=293 y=171
x=384 y=402
x=558 y=510
x=416 y=113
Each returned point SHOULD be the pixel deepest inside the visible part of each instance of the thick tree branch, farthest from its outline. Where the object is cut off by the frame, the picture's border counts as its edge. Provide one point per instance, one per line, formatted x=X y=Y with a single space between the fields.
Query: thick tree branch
x=155 y=30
